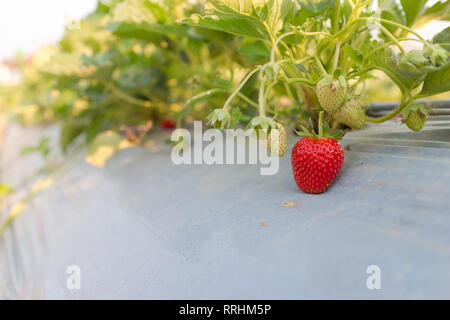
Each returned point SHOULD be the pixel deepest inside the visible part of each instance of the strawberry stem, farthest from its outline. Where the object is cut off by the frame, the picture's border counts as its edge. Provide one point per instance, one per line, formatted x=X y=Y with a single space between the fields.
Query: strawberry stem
x=336 y=16
x=226 y=106
x=321 y=124
x=262 y=97
x=320 y=65
x=336 y=57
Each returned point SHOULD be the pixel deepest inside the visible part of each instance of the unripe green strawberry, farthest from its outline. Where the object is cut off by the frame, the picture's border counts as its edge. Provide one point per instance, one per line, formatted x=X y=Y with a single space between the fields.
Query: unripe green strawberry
x=436 y=54
x=331 y=93
x=412 y=61
x=351 y=114
x=415 y=116
x=277 y=141
x=415 y=121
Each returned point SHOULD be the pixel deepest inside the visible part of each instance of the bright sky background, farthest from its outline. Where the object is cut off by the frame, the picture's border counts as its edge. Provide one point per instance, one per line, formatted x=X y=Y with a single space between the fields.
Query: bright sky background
x=29 y=24
x=26 y=25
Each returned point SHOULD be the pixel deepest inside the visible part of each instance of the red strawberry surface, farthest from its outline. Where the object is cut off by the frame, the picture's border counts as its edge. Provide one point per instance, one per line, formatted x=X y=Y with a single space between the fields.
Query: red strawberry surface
x=316 y=162
x=168 y=124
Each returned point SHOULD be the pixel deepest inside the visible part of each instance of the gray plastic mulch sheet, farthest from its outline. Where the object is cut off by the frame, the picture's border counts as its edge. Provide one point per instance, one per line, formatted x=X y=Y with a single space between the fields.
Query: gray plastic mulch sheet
x=141 y=227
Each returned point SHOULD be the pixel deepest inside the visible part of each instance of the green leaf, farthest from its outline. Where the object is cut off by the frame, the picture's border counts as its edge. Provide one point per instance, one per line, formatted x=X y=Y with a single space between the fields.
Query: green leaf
x=69 y=132
x=237 y=117
x=439 y=11
x=438 y=81
x=237 y=26
x=444 y=38
x=158 y=11
x=219 y=16
x=413 y=9
x=274 y=12
x=388 y=62
x=300 y=17
x=390 y=10
x=241 y=6
x=144 y=31
x=254 y=50
x=354 y=54
x=317 y=6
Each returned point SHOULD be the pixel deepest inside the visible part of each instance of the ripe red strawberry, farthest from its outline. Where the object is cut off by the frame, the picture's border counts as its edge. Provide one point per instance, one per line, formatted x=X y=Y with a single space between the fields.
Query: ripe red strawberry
x=316 y=162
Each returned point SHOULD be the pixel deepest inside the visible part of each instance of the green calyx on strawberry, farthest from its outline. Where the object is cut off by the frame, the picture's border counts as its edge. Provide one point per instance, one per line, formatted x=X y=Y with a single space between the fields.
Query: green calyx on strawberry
x=263 y=123
x=431 y=57
x=324 y=132
x=437 y=55
x=415 y=116
x=412 y=61
x=271 y=133
x=220 y=118
x=351 y=114
x=316 y=160
x=331 y=92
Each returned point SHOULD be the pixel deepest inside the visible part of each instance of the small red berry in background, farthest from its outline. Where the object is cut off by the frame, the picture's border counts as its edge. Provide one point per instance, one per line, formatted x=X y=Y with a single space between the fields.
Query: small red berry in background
x=168 y=124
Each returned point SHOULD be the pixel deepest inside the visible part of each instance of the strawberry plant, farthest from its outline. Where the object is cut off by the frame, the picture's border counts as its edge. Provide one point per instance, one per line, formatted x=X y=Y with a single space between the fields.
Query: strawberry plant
x=137 y=65
x=320 y=53
x=131 y=62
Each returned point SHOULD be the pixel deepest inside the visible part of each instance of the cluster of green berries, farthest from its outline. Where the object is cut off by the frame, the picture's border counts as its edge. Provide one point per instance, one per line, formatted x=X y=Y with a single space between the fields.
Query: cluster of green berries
x=334 y=98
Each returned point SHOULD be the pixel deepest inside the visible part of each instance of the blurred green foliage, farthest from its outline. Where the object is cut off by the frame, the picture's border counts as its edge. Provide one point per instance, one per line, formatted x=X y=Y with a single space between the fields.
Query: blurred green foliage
x=134 y=63
x=127 y=63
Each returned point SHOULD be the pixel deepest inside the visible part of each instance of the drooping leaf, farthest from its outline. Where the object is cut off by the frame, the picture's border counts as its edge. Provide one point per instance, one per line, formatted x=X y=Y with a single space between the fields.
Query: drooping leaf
x=391 y=10
x=413 y=9
x=443 y=38
x=388 y=62
x=144 y=31
x=438 y=81
x=235 y=19
x=439 y=11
